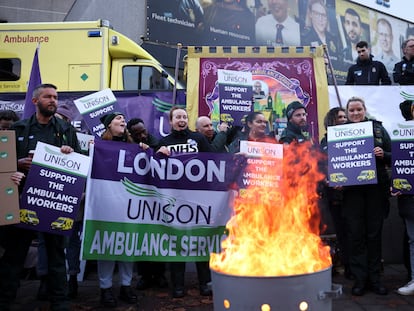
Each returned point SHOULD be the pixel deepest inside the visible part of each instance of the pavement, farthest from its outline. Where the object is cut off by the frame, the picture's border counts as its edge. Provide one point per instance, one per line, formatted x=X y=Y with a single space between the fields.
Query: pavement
x=156 y=299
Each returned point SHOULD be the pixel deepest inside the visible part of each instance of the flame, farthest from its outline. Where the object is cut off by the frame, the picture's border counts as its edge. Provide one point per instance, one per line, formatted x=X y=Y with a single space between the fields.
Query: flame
x=275 y=231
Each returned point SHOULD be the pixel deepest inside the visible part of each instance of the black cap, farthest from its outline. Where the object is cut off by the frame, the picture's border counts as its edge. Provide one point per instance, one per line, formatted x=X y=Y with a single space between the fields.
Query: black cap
x=292 y=107
x=107 y=119
x=406 y=109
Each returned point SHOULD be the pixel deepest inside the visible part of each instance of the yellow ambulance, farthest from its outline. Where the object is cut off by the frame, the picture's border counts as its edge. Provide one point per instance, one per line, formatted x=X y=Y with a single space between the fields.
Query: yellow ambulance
x=77 y=56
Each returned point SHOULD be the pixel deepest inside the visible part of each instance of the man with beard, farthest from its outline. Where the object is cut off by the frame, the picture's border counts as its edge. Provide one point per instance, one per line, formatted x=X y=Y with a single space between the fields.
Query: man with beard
x=297 y=126
x=353 y=32
x=42 y=126
x=404 y=70
x=367 y=71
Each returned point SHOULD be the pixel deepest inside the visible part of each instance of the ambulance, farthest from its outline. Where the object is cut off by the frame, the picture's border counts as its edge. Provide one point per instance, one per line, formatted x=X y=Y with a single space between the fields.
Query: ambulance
x=77 y=56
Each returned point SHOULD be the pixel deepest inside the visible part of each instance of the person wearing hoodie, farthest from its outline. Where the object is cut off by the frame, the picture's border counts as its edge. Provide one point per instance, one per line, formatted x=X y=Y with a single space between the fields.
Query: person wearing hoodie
x=367 y=71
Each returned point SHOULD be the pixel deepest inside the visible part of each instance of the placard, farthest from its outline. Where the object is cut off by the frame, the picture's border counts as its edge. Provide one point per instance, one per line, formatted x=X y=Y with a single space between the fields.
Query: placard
x=351 y=159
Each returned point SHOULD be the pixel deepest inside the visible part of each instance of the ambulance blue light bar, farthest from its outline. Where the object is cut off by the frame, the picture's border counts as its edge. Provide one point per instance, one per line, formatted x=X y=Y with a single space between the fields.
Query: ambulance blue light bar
x=94 y=33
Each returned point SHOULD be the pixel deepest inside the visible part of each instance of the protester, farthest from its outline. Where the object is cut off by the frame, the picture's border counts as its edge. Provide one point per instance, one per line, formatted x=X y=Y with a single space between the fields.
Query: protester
x=255 y=130
x=333 y=197
x=406 y=211
x=7 y=118
x=45 y=127
x=365 y=208
x=140 y=135
x=277 y=28
x=182 y=140
x=115 y=130
x=218 y=141
x=152 y=273
x=367 y=71
x=297 y=126
x=404 y=70
x=73 y=244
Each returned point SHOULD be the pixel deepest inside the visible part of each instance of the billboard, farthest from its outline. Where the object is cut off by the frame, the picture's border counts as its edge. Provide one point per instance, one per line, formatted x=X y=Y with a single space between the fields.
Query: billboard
x=336 y=24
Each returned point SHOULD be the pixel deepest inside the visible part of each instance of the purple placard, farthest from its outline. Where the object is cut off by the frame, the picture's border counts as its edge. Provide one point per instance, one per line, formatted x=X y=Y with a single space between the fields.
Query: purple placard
x=235 y=93
x=53 y=190
x=235 y=102
x=351 y=159
x=402 y=157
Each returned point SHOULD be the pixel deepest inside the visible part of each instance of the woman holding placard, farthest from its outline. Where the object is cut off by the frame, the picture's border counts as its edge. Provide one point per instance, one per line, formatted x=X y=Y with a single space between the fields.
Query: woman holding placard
x=255 y=130
x=365 y=208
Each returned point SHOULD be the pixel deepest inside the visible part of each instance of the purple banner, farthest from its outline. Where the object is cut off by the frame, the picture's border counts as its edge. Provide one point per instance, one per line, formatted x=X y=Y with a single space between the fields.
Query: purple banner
x=276 y=83
x=152 y=107
x=117 y=160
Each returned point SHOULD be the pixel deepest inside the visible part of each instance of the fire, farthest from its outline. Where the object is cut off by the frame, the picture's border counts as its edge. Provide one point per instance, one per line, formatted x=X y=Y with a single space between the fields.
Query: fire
x=275 y=231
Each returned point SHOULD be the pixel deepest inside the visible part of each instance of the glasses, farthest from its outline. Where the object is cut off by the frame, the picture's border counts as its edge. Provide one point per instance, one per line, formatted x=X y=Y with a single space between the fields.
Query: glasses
x=319 y=15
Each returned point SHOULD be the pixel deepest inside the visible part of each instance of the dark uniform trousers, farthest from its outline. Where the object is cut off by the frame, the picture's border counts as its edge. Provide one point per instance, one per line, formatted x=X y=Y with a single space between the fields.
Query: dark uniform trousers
x=16 y=242
x=364 y=211
x=177 y=270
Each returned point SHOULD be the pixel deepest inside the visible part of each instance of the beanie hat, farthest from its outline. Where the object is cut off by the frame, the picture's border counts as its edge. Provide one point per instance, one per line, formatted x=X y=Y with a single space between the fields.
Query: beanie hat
x=107 y=119
x=65 y=111
x=406 y=108
x=292 y=107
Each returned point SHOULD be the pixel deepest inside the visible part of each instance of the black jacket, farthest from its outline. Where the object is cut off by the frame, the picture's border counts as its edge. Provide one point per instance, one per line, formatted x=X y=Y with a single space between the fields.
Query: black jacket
x=65 y=134
x=185 y=141
x=382 y=139
x=404 y=72
x=292 y=133
x=368 y=72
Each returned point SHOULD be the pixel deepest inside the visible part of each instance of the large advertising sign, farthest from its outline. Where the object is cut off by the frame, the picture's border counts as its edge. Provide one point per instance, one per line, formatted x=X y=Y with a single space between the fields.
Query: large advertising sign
x=336 y=24
x=397 y=8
